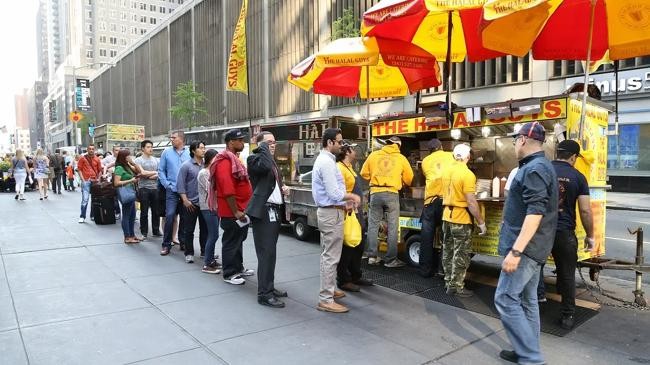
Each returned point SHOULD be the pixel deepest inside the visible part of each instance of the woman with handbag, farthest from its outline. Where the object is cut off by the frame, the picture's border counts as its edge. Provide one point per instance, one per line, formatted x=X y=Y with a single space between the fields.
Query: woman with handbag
x=19 y=170
x=349 y=276
x=125 y=178
x=41 y=172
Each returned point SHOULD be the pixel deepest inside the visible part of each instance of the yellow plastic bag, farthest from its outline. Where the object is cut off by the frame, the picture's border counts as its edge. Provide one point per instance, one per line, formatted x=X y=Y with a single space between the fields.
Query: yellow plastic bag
x=351 y=230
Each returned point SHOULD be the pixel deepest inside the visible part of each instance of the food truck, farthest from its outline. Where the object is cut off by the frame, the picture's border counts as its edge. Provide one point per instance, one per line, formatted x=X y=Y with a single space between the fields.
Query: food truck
x=297 y=145
x=485 y=129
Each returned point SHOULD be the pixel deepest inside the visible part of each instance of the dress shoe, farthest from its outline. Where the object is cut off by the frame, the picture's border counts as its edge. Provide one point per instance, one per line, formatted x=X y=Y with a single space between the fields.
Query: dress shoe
x=338 y=294
x=350 y=287
x=567 y=322
x=509 y=356
x=280 y=293
x=332 y=307
x=271 y=302
x=364 y=282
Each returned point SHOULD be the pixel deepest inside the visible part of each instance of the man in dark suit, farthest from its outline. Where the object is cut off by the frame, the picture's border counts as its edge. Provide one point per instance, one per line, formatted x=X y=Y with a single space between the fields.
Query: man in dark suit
x=264 y=211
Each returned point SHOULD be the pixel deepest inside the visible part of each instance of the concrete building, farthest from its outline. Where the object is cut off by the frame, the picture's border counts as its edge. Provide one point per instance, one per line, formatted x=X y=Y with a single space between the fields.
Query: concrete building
x=22 y=140
x=193 y=45
x=42 y=58
x=20 y=107
x=35 y=98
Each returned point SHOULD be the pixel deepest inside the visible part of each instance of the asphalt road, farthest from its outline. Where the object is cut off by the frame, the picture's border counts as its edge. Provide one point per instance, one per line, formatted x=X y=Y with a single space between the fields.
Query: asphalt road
x=621 y=245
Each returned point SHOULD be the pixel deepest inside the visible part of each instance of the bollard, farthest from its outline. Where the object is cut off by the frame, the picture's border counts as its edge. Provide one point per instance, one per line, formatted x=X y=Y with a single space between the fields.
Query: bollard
x=638 y=261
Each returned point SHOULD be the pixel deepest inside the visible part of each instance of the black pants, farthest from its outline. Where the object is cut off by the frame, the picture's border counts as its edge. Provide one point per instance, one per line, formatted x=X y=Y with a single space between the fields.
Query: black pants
x=186 y=227
x=431 y=220
x=349 y=267
x=56 y=184
x=149 y=201
x=565 y=255
x=265 y=234
x=64 y=180
x=231 y=246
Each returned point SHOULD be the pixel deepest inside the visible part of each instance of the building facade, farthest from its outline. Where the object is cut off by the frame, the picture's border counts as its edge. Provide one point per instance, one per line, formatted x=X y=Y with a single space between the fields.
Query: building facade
x=35 y=98
x=193 y=45
x=22 y=140
x=20 y=107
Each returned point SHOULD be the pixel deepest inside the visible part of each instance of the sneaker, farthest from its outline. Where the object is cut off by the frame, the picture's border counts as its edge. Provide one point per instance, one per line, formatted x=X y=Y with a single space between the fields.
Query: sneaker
x=352 y=287
x=117 y=217
x=189 y=259
x=235 y=280
x=16 y=197
x=567 y=322
x=247 y=272
x=82 y=220
x=395 y=264
x=216 y=264
x=450 y=291
x=463 y=293
x=509 y=356
x=157 y=234
x=375 y=261
x=541 y=300
x=210 y=269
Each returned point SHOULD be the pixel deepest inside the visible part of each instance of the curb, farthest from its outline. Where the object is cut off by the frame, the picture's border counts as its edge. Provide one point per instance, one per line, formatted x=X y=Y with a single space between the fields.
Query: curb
x=632 y=209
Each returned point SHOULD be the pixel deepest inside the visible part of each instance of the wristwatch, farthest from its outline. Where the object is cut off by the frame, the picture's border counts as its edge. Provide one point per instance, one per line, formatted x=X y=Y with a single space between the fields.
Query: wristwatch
x=515 y=253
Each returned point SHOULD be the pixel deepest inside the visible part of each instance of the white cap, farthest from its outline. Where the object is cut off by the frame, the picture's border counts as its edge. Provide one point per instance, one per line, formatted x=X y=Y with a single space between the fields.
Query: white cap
x=461 y=151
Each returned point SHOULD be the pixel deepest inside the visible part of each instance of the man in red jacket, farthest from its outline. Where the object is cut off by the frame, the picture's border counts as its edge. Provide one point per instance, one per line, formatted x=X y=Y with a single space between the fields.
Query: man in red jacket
x=233 y=193
x=89 y=168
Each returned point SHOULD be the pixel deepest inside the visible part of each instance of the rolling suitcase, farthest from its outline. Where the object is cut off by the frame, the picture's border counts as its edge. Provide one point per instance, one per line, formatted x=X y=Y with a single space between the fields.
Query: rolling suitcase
x=103 y=210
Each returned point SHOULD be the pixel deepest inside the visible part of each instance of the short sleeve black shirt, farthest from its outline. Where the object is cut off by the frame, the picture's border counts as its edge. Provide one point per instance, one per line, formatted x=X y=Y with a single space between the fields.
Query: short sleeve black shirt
x=571 y=184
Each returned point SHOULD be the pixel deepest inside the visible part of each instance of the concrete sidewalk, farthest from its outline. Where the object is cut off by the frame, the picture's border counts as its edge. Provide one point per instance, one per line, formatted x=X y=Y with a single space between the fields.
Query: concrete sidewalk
x=74 y=294
x=628 y=201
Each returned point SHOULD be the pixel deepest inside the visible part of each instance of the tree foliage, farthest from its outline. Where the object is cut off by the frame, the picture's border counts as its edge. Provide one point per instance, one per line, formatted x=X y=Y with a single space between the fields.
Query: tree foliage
x=346 y=26
x=188 y=105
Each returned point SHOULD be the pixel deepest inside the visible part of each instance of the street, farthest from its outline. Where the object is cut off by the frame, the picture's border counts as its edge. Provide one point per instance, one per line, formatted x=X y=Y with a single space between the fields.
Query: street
x=620 y=244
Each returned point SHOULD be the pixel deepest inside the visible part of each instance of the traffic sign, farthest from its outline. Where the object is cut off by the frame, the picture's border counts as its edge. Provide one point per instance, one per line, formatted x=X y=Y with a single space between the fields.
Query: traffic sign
x=75 y=116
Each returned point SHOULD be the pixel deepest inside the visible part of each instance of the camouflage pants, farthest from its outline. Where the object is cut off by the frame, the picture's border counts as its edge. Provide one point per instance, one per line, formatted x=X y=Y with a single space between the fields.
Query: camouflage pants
x=456 y=249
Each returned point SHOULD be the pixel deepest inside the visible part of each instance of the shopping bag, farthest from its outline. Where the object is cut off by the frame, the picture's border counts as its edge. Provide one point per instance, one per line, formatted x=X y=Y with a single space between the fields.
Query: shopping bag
x=351 y=230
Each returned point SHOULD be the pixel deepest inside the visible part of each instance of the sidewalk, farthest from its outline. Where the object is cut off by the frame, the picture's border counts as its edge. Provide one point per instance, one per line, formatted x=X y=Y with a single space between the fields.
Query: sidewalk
x=628 y=201
x=74 y=294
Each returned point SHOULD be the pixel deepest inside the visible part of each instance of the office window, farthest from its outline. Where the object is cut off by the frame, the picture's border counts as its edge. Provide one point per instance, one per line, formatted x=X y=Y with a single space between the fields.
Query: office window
x=102 y=39
x=113 y=53
x=163 y=10
x=143 y=6
x=123 y=42
x=90 y=14
x=180 y=2
x=113 y=27
x=152 y=20
x=143 y=31
x=143 y=19
x=134 y=30
x=124 y=28
x=134 y=5
x=90 y=27
x=89 y=40
x=102 y=25
x=170 y=10
x=102 y=52
x=152 y=7
x=113 y=40
x=124 y=16
x=90 y=2
x=89 y=54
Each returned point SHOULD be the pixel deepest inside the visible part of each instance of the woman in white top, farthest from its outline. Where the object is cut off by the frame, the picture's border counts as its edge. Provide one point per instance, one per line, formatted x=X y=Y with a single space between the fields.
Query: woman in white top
x=19 y=170
x=41 y=172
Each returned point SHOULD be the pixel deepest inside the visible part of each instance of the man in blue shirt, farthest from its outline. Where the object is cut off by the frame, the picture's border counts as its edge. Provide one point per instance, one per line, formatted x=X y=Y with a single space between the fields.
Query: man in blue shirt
x=170 y=164
x=187 y=186
x=526 y=239
x=328 y=190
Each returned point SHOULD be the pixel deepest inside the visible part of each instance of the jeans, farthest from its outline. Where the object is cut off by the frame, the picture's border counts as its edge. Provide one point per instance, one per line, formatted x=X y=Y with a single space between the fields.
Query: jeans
x=149 y=199
x=380 y=203
x=516 y=301
x=231 y=247
x=186 y=227
x=128 y=219
x=85 y=196
x=172 y=200
x=431 y=220
x=212 y=224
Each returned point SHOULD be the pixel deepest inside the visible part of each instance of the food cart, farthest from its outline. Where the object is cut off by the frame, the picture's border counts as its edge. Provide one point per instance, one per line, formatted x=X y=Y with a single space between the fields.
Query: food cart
x=485 y=128
x=297 y=145
x=123 y=135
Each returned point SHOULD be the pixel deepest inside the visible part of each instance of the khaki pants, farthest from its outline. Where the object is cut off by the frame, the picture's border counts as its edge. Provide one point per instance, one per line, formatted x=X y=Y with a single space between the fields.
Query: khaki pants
x=330 y=225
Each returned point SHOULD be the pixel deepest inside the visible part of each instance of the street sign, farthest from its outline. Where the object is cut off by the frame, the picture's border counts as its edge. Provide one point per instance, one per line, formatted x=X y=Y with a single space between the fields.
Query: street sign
x=82 y=94
x=91 y=130
x=75 y=116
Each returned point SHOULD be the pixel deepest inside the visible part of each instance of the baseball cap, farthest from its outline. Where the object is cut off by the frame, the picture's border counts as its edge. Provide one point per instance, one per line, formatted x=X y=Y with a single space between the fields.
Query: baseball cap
x=532 y=130
x=569 y=145
x=346 y=143
x=233 y=134
x=435 y=144
x=394 y=140
x=462 y=151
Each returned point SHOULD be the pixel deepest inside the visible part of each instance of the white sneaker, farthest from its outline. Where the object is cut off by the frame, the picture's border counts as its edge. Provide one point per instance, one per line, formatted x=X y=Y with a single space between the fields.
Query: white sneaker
x=82 y=220
x=189 y=259
x=247 y=272
x=374 y=261
x=235 y=280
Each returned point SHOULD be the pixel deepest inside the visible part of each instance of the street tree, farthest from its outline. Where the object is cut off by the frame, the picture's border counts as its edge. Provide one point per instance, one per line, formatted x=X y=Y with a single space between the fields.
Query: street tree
x=189 y=104
x=345 y=26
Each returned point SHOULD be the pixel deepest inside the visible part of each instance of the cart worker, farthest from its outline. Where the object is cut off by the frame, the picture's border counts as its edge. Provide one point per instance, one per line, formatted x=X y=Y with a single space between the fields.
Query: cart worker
x=332 y=200
x=431 y=218
x=573 y=187
x=526 y=240
x=170 y=163
x=460 y=211
x=349 y=275
x=387 y=170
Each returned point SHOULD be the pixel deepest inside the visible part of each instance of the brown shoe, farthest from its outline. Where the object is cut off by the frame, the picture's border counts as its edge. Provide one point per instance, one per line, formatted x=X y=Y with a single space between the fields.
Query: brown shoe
x=338 y=294
x=332 y=307
x=350 y=287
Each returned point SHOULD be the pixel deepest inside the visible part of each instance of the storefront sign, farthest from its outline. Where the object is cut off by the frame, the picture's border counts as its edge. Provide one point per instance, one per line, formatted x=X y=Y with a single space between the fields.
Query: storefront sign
x=297 y=132
x=82 y=94
x=551 y=109
x=629 y=82
x=594 y=140
x=124 y=132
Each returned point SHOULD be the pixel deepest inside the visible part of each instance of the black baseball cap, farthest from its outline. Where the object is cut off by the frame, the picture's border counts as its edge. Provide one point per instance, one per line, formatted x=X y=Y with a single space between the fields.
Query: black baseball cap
x=532 y=130
x=233 y=134
x=569 y=145
x=435 y=144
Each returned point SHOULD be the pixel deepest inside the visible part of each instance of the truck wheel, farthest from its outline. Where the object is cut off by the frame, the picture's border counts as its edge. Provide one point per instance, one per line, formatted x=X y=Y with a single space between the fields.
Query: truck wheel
x=413 y=250
x=301 y=229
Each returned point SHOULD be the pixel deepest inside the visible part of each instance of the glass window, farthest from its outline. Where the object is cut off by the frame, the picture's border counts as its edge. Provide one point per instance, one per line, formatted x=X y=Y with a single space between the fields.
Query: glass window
x=163 y=9
x=628 y=137
x=152 y=20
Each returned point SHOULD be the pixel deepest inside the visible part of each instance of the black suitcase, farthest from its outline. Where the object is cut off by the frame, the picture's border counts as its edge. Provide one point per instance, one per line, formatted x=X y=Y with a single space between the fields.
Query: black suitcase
x=102 y=189
x=103 y=210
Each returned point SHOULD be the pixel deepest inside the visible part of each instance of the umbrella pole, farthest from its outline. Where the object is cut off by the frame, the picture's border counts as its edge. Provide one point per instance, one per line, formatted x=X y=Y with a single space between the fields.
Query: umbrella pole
x=618 y=140
x=583 y=112
x=450 y=113
x=368 y=108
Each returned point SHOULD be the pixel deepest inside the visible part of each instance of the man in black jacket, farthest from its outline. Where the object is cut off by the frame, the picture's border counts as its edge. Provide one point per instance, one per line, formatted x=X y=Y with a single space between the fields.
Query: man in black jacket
x=264 y=211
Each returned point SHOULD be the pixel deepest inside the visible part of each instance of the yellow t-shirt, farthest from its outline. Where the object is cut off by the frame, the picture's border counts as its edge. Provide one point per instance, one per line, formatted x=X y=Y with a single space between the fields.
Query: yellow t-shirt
x=457 y=181
x=433 y=167
x=349 y=176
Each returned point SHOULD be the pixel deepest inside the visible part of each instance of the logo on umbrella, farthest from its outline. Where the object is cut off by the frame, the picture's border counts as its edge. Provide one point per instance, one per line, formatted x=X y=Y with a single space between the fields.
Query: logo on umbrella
x=635 y=15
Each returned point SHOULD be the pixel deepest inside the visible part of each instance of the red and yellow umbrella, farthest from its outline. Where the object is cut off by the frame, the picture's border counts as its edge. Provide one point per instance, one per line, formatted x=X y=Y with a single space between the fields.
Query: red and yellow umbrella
x=367 y=67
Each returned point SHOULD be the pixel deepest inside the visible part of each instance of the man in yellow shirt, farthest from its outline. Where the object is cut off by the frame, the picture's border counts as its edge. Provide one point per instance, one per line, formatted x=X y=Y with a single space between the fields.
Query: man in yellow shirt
x=431 y=218
x=387 y=170
x=461 y=208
